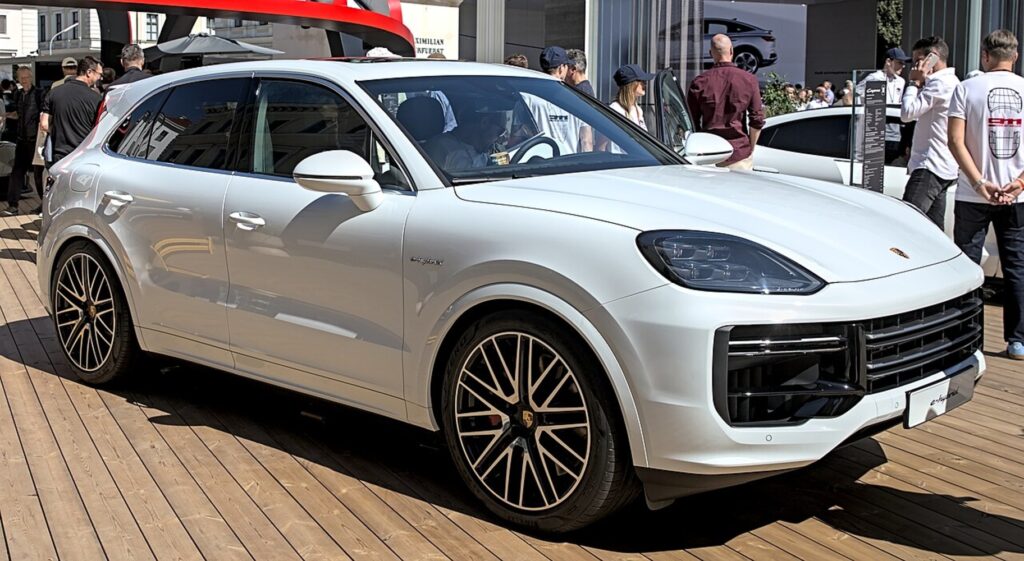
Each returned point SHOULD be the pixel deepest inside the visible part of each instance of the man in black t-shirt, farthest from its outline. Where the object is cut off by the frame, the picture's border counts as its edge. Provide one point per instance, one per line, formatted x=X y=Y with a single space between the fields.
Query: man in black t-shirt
x=72 y=109
x=24 y=120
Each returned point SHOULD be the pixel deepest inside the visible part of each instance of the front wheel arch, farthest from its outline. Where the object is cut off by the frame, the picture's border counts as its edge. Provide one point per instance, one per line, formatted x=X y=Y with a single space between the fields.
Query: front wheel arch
x=626 y=412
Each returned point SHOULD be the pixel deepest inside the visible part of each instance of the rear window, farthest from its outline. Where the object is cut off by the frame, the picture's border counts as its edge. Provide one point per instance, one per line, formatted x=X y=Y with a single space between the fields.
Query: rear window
x=131 y=138
x=194 y=126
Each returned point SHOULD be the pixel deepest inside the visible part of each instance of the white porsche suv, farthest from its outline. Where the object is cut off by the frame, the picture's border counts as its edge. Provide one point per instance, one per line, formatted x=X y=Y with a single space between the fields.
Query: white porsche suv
x=585 y=321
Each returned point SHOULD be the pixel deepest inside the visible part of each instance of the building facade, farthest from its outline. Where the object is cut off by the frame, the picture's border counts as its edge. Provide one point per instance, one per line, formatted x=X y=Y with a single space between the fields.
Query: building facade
x=963 y=23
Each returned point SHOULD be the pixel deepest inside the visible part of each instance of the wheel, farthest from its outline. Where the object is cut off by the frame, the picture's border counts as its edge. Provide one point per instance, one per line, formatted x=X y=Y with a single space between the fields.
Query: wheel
x=748 y=61
x=530 y=422
x=91 y=316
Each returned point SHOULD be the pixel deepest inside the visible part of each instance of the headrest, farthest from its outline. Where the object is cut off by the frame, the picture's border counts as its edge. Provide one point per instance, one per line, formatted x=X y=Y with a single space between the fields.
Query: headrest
x=422 y=116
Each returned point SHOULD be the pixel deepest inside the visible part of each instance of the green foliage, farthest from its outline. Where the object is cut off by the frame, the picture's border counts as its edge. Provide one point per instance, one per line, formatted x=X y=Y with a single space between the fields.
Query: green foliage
x=890 y=22
x=774 y=97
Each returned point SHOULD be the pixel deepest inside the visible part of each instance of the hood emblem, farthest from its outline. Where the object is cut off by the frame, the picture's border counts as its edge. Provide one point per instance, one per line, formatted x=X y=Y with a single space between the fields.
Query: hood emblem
x=899 y=252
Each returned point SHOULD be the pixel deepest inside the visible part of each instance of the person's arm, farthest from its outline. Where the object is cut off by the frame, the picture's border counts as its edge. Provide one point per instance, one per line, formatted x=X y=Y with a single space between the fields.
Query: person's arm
x=693 y=103
x=755 y=116
x=917 y=102
x=44 y=123
x=586 y=138
x=958 y=147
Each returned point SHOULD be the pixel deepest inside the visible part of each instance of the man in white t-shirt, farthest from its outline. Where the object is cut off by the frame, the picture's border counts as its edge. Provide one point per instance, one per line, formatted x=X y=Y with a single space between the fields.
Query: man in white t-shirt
x=571 y=135
x=986 y=126
x=892 y=75
x=931 y=167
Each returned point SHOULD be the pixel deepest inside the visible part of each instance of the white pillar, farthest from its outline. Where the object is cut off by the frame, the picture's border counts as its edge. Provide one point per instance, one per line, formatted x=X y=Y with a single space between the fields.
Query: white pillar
x=490 y=30
x=974 y=36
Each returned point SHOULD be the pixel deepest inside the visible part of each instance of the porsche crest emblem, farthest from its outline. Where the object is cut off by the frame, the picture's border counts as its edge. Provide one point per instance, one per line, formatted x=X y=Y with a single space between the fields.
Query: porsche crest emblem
x=899 y=252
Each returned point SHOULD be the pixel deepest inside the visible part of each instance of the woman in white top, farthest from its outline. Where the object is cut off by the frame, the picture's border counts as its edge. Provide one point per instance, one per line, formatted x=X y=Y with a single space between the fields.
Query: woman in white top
x=632 y=82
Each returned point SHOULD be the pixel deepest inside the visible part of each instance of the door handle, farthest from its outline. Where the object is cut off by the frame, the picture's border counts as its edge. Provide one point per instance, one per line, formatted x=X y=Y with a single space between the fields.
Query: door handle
x=247 y=221
x=119 y=197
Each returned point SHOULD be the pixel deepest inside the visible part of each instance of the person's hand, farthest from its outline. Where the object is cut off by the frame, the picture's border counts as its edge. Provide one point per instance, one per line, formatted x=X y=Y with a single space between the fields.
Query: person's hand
x=1009 y=192
x=918 y=74
x=990 y=191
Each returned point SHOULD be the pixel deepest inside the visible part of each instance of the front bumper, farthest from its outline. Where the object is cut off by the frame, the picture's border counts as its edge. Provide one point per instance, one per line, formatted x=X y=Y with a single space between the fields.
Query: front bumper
x=665 y=340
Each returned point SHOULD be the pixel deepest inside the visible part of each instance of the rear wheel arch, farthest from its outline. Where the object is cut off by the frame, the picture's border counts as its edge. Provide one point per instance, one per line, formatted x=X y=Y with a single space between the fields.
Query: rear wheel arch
x=89 y=237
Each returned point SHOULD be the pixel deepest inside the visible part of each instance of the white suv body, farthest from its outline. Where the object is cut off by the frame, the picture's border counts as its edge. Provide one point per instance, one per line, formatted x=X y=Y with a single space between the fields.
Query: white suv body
x=576 y=324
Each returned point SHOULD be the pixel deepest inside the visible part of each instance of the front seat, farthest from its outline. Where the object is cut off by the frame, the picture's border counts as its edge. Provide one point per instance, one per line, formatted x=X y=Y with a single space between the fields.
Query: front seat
x=422 y=116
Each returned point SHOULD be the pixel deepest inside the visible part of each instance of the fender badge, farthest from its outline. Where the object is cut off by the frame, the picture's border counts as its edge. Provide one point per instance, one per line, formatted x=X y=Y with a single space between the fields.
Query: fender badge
x=427 y=261
x=899 y=252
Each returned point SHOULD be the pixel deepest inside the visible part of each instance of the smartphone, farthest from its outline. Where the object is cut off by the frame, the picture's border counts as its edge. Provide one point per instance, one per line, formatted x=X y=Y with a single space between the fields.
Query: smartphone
x=929 y=62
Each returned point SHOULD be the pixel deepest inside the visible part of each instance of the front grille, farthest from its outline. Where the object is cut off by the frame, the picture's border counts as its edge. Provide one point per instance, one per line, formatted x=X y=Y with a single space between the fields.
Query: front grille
x=786 y=374
x=907 y=347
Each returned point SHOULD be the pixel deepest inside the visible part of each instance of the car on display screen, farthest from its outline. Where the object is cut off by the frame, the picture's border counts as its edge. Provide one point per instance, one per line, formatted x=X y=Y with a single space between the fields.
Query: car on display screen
x=753 y=47
x=816 y=144
x=583 y=326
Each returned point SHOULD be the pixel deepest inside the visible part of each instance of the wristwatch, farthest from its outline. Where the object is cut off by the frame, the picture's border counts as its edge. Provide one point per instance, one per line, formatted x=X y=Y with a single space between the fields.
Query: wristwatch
x=978 y=183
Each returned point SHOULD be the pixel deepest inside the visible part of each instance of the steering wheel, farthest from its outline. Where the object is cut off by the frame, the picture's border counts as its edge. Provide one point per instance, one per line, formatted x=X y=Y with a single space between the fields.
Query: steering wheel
x=524 y=148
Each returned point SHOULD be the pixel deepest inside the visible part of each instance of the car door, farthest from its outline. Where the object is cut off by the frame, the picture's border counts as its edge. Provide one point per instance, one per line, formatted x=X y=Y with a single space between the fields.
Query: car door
x=668 y=113
x=163 y=200
x=316 y=284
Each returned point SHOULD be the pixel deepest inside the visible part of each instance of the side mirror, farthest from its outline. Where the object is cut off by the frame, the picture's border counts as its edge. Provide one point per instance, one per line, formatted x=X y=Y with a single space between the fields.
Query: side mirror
x=706 y=149
x=340 y=171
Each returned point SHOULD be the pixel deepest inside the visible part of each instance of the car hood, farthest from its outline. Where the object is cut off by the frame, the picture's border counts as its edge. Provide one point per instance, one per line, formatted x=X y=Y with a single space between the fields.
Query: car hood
x=842 y=234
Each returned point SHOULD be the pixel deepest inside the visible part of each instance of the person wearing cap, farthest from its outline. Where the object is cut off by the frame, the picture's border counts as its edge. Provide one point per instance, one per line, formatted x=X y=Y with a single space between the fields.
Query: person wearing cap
x=568 y=132
x=892 y=74
x=70 y=68
x=726 y=101
x=632 y=82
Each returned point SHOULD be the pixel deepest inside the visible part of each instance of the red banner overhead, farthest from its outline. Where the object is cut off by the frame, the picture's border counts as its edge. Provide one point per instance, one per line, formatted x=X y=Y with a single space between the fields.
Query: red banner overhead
x=375 y=29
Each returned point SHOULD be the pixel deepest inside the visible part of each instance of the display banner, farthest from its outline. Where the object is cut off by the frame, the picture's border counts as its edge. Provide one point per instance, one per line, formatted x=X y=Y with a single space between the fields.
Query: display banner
x=874 y=136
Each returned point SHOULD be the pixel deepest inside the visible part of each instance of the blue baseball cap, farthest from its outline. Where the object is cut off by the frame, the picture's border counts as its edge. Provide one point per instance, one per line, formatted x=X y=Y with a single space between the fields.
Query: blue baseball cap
x=897 y=53
x=631 y=73
x=553 y=57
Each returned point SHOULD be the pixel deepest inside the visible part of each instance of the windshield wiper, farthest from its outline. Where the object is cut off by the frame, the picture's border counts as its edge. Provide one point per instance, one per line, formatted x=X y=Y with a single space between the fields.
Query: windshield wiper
x=490 y=178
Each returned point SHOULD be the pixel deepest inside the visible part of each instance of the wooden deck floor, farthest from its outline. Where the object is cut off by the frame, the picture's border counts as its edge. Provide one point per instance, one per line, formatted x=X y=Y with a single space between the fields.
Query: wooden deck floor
x=185 y=463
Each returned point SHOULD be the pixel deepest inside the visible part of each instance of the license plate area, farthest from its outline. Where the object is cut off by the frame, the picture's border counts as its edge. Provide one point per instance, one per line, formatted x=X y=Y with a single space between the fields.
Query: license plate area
x=939 y=398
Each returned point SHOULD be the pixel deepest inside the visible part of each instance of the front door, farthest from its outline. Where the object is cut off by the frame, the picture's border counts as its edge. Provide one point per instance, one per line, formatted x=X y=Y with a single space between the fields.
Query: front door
x=164 y=199
x=670 y=115
x=316 y=284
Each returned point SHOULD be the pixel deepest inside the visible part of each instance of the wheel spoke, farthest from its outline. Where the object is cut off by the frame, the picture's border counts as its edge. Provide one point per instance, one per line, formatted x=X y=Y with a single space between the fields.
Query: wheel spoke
x=529 y=450
x=87 y=335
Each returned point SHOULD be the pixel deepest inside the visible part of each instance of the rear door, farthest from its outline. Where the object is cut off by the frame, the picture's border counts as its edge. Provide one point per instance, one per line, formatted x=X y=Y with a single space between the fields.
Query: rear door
x=163 y=201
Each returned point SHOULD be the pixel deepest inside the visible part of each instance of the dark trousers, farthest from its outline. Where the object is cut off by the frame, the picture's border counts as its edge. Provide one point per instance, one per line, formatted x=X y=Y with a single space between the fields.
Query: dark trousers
x=23 y=154
x=927 y=191
x=972 y=221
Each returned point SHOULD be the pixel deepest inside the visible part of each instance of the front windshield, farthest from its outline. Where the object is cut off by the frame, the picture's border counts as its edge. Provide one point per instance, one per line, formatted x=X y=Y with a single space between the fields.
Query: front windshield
x=485 y=128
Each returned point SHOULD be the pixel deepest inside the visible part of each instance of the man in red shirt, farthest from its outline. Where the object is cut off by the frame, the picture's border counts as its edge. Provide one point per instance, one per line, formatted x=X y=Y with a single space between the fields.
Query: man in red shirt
x=726 y=101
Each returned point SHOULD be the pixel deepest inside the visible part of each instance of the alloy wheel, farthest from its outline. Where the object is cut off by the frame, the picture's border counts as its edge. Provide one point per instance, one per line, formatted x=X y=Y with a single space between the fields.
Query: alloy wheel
x=522 y=421
x=746 y=61
x=84 y=312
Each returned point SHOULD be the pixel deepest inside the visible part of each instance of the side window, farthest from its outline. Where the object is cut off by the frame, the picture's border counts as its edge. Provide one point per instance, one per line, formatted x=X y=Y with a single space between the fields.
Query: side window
x=821 y=136
x=714 y=28
x=194 y=126
x=294 y=120
x=131 y=138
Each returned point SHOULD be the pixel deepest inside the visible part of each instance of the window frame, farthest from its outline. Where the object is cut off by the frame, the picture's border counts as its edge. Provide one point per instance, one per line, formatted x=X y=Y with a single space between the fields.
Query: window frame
x=153 y=19
x=42 y=28
x=58 y=24
x=233 y=135
x=75 y=19
x=3 y=28
x=376 y=134
x=796 y=122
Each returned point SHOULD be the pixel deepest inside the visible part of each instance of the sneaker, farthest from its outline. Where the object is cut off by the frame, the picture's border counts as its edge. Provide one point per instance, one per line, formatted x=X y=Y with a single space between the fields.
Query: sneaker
x=37 y=210
x=10 y=211
x=1015 y=350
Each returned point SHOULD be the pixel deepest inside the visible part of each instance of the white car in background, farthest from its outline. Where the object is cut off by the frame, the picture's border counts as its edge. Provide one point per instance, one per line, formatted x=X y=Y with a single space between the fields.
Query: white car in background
x=816 y=144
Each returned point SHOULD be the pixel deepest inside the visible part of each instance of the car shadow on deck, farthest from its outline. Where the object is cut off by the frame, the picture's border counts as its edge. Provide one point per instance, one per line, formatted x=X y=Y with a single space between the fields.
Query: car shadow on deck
x=412 y=462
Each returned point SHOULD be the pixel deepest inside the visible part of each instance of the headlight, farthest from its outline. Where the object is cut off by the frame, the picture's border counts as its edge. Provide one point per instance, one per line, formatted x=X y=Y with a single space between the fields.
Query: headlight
x=723 y=263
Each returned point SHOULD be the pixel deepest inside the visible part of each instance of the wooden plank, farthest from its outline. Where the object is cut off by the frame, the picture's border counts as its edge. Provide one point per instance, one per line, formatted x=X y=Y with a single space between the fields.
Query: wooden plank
x=72 y=530
x=296 y=524
x=204 y=523
x=261 y=538
x=983 y=451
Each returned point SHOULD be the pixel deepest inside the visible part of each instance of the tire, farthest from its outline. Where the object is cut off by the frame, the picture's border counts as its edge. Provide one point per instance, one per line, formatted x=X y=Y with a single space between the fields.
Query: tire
x=748 y=60
x=557 y=430
x=91 y=316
